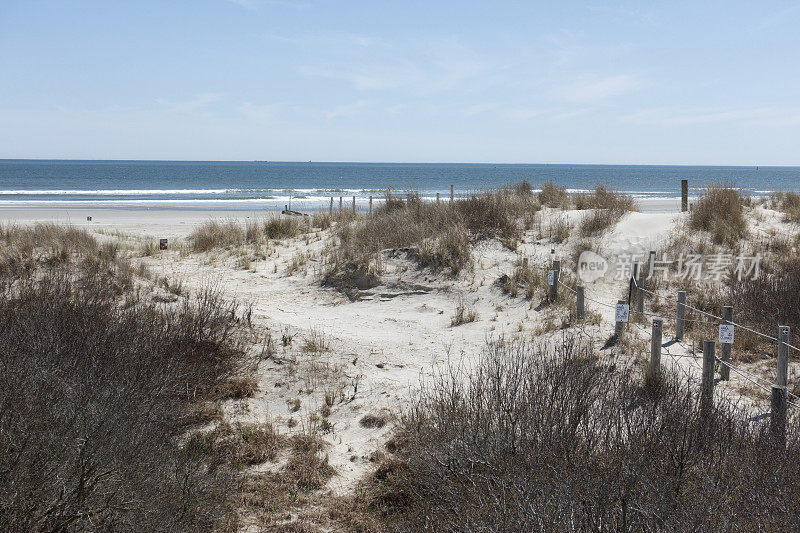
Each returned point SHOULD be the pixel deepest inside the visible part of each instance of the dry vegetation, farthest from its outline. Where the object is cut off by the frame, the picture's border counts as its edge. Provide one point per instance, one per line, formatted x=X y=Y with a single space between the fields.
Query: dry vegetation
x=607 y=207
x=213 y=234
x=437 y=235
x=556 y=440
x=720 y=211
x=98 y=381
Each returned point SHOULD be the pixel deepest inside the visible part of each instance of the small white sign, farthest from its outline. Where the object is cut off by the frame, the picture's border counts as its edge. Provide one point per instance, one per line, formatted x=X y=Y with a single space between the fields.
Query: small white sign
x=551 y=277
x=622 y=313
x=726 y=333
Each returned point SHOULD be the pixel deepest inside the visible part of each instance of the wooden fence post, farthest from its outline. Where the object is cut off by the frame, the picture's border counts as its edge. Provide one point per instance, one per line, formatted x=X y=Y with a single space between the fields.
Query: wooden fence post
x=640 y=295
x=580 y=310
x=654 y=370
x=680 y=324
x=354 y=204
x=451 y=193
x=370 y=205
x=554 y=286
x=725 y=370
x=330 y=209
x=779 y=399
x=651 y=262
x=437 y=197
x=619 y=325
x=707 y=385
x=684 y=195
x=340 y=203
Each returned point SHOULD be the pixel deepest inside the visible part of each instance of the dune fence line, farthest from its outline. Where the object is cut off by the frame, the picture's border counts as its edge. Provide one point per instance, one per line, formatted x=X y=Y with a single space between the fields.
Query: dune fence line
x=779 y=393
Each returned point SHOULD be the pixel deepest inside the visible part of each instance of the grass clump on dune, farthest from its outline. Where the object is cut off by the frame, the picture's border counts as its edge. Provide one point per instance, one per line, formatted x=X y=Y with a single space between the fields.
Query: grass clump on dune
x=213 y=234
x=555 y=196
x=720 y=211
x=577 y=444
x=789 y=204
x=607 y=207
x=438 y=235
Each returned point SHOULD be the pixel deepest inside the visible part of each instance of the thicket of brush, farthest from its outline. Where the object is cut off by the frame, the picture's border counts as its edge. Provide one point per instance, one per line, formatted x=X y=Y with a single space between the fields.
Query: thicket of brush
x=720 y=210
x=555 y=439
x=98 y=382
x=438 y=235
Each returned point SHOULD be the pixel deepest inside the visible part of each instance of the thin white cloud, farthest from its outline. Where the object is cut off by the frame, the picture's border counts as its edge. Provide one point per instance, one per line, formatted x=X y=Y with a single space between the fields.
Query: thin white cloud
x=477 y=109
x=198 y=102
x=347 y=110
x=687 y=116
x=591 y=89
x=258 y=112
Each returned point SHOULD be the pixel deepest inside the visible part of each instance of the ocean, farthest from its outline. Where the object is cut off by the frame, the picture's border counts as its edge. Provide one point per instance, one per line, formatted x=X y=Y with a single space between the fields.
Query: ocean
x=257 y=185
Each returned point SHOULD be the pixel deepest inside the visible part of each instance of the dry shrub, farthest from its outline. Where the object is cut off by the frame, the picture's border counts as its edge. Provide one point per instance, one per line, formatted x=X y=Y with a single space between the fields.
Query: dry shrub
x=464 y=314
x=554 y=439
x=437 y=234
x=772 y=299
x=532 y=280
x=97 y=383
x=720 y=210
x=236 y=446
x=559 y=229
x=789 y=204
x=217 y=234
x=555 y=196
x=285 y=227
x=607 y=208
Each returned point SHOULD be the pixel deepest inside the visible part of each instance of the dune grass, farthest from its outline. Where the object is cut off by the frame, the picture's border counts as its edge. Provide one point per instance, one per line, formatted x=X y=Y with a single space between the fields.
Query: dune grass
x=720 y=211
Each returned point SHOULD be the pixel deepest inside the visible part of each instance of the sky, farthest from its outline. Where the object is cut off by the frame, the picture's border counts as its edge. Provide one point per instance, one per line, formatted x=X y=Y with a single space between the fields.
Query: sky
x=700 y=82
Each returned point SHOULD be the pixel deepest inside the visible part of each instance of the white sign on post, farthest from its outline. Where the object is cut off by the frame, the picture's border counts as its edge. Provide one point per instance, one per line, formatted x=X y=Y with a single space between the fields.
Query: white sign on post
x=726 y=333
x=622 y=313
x=551 y=277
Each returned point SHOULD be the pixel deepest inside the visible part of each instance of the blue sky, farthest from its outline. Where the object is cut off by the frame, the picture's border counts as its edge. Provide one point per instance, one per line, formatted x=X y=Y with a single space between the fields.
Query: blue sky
x=533 y=82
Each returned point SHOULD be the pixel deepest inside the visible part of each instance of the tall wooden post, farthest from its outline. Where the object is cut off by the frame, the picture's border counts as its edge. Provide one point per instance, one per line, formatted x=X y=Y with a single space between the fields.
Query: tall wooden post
x=370 y=205
x=354 y=204
x=640 y=295
x=340 y=203
x=684 y=195
x=580 y=310
x=451 y=193
x=651 y=261
x=554 y=286
x=654 y=370
x=330 y=209
x=437 y=197
x=725 y=370
x=680 y=325
x=707 y=385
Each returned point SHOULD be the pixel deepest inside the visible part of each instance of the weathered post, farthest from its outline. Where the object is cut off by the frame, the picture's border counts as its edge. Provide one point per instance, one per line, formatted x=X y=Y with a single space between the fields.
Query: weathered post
x=354 y=204
x=651 y=262
x=370 y=205
x=654 y=370
x=437 y=197
x=680 y=324
x=777 y=416
x=725 y=370
x=451 y=193
x=707 y=385
x=640 y=295
x=580 y=310
x=684 y=195
x=340 y=203
x=783 y=356
x=618 y=325
x=554 y=286
x=330 y=209
x=633 y=288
